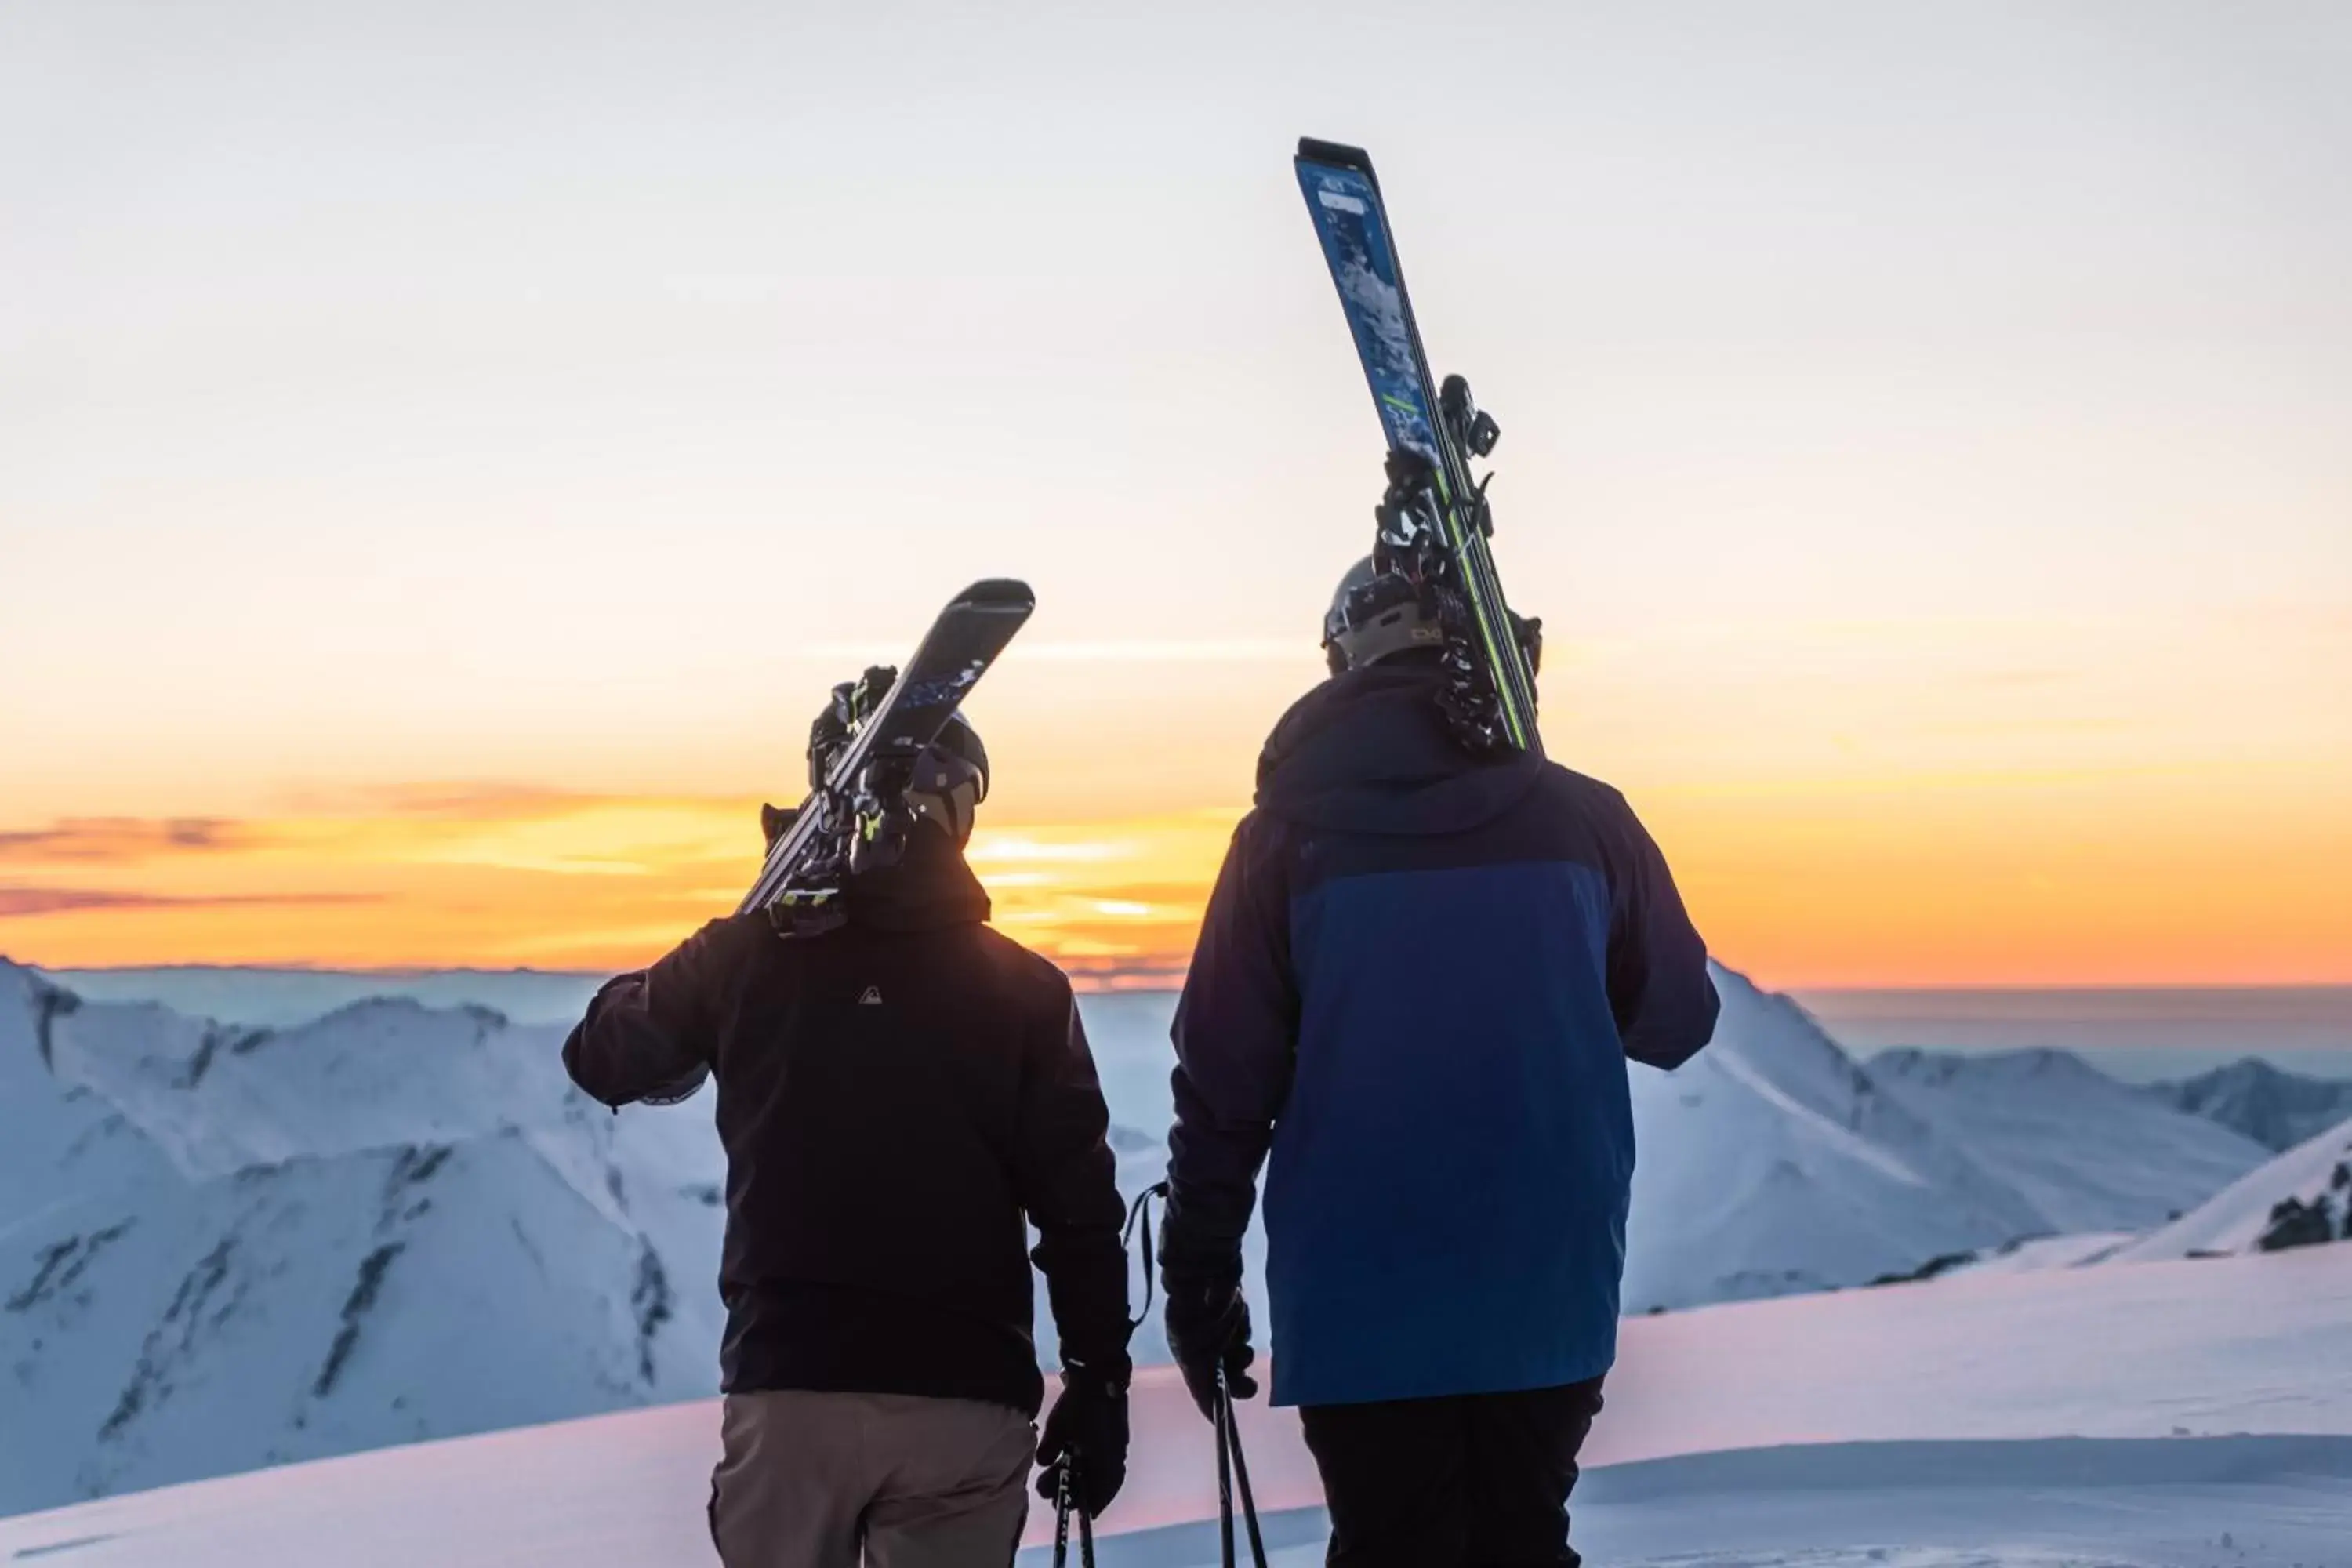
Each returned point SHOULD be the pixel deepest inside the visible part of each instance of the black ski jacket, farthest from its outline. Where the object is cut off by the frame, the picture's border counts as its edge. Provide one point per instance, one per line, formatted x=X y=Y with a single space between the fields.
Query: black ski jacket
x=895 y=1098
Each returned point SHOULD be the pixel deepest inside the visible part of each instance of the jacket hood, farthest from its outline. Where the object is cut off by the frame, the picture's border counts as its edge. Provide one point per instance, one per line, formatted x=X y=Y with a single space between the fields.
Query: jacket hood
x=1370 y=752
x=930 y=887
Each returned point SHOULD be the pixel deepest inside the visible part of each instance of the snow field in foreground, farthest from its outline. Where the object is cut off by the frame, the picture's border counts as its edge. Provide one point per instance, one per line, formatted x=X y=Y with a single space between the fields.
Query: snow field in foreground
x=2087 y=1417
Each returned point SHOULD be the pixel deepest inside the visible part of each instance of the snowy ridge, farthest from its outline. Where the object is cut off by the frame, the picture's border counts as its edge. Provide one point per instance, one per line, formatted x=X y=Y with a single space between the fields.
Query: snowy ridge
x=280 y=998
x=2274 y=1108
x=228 y=1247
x=2090 y=1153
x=1773 y=1162
x=371 y=1075
x=58 y=1143
x=2302 y=1198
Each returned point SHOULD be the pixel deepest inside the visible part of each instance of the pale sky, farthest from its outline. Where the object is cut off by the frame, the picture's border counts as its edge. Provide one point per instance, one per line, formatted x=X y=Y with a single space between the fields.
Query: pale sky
x=1936 y=407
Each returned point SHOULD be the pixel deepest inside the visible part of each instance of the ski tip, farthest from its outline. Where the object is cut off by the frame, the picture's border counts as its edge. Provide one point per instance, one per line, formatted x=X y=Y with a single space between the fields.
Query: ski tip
x=1337 y=153
x=1007 y=595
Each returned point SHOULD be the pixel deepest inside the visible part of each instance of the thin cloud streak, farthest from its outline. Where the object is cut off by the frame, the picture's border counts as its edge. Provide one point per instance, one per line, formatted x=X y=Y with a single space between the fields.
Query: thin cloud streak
x=31 y=903
x=116 y=839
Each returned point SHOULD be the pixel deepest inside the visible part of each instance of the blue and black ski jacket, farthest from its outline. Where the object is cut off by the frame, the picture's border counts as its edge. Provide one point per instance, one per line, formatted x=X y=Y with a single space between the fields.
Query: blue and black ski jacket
x=1416 y=989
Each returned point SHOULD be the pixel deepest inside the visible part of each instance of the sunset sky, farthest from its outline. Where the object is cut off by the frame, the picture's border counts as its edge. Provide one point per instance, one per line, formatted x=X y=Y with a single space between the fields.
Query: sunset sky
x=447 y=451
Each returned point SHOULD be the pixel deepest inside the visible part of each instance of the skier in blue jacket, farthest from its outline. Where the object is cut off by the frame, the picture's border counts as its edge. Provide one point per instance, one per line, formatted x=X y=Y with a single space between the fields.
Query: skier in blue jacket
x=1416 y=992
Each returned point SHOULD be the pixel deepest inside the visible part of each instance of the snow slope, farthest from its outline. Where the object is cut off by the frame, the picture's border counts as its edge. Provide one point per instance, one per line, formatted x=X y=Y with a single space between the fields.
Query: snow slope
x=369 y=1076
x=2177 y=1414
x=58 y=1143
x=2090 y=1153
x=222 y=1248
x=2244 y=1215
x=1773 y=1162
x=2067 y=1251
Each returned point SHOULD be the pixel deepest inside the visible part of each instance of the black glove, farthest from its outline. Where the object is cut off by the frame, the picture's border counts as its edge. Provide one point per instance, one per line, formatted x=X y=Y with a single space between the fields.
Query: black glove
x=775 y=821
x=1087 y=1430
x=1209 y=1327
x=1529 y=629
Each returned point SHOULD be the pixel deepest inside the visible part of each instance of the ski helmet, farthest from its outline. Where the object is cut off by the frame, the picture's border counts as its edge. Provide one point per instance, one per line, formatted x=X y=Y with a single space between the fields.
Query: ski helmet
x=950 y=779
x=1373 y=615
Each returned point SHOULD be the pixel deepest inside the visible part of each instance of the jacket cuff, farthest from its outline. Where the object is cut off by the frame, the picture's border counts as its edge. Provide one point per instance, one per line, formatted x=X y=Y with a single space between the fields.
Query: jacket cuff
x=1105 y=1373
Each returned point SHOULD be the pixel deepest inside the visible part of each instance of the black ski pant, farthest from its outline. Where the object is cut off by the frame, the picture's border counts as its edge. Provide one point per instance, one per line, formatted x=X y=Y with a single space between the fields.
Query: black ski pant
x=1471 y=1480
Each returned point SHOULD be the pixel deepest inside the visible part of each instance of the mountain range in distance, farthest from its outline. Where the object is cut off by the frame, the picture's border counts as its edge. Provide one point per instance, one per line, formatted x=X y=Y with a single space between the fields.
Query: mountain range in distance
x=2138 y=1034
x=226 y=1242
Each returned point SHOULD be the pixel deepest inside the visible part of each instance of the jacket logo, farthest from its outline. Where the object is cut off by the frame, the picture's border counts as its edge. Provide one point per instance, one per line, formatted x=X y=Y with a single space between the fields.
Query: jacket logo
x=873 y=998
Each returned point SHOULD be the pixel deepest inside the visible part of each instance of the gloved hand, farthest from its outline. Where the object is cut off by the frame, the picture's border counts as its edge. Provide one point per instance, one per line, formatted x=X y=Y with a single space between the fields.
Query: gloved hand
x=1088 y=1428
x=1529 y=629
x=775 y=821
x=830 y=730
x=1208 y=1327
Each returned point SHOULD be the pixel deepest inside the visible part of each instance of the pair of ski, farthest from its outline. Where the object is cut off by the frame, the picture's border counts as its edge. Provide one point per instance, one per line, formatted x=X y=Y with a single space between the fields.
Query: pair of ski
x=1436 y=531
x=869 y=771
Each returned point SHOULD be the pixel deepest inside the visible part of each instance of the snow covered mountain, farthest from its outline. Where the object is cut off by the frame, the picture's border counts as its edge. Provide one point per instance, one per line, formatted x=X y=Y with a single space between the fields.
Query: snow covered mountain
x=228 y=1247
x=1773 y=1162
x=223 y=1246
x=275 y=998
x=2090 y=1153
x=2302 y=1198
x=2274 y=1108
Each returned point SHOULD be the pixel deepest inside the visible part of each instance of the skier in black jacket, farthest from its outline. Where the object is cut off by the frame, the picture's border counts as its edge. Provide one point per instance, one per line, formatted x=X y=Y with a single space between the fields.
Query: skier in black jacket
x=897 y=1096
x=1419 y=981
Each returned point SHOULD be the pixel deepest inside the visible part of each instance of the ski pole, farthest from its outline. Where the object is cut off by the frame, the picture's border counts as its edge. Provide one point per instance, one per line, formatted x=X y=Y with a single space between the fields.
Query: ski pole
x=1233 y=1468
x=1224 y=1472
x=1242 y=1480
x=1064 y=1503
x=1062 y=1506
x=1139 y=1226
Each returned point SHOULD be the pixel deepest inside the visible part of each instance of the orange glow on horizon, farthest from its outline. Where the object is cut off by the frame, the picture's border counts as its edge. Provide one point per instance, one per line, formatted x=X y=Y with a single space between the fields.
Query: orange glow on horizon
x=524 y=879
x=2023 y=879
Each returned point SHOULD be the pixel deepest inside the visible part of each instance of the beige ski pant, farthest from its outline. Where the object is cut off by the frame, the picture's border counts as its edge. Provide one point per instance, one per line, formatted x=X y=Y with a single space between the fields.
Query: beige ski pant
x=829 y=1480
